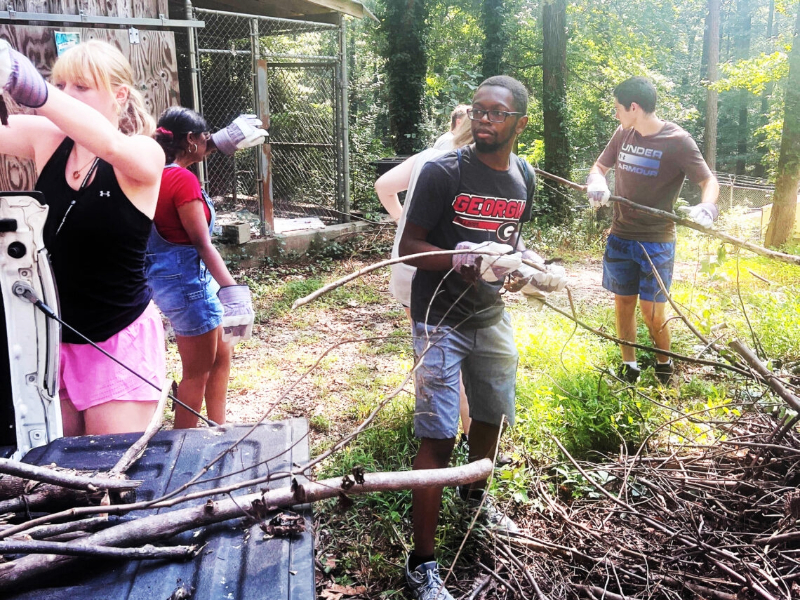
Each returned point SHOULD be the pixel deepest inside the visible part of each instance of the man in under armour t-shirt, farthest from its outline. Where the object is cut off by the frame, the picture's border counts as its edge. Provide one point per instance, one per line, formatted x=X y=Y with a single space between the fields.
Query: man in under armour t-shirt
x=473 y=199
x=651 y=158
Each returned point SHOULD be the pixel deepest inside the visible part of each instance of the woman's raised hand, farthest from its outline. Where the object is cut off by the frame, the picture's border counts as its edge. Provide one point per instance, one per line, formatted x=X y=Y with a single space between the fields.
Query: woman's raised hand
x=20 y=79
x=244 y=132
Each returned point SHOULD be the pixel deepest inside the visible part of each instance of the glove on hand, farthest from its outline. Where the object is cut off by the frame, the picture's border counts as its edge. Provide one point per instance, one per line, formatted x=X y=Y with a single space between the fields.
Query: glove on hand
x=492 y=266
x=20 y=78
x=597 y=190
x=533 y=282
x=244 y=132
x=704 y=214
x=237 y=313
x=532 y=256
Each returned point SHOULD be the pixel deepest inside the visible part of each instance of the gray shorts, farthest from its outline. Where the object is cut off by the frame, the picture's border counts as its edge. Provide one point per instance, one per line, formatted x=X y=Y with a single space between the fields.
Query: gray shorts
x=486 y=358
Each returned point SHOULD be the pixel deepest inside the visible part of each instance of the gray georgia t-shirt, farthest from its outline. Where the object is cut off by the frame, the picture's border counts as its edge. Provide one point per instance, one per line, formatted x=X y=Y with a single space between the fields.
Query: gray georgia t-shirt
x=472 y=203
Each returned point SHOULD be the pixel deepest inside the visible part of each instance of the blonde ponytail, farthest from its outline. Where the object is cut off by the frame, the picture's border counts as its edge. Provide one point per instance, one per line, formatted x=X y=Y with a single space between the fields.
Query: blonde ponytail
x=134 y=118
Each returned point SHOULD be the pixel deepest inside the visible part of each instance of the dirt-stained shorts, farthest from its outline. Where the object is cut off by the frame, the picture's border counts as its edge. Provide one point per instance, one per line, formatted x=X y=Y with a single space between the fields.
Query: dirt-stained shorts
x=486 y=358
x=89 y=378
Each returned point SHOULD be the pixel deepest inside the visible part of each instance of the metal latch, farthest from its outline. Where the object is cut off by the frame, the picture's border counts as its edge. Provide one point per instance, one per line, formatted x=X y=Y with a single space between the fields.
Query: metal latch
x=133 y=35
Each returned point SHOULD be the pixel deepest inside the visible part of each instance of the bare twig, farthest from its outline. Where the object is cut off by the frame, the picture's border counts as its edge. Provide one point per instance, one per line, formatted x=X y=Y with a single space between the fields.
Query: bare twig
x=64 y=479
x=145 y=552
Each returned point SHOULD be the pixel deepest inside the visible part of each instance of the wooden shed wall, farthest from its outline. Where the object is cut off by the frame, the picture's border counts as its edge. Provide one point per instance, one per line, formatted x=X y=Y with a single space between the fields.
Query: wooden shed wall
x=154 y=60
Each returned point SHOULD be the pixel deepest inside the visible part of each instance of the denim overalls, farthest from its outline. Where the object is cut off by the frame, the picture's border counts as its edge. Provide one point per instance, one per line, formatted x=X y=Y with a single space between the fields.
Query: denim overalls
x=183 y=289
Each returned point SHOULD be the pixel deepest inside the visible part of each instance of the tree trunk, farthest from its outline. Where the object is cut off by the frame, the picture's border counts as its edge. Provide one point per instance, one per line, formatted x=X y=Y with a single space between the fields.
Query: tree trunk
x=744 y=26
x=404 y=35
x=494 y=37
x=712 y=71
x=784 y=202
x=554 y=104
x=759 y=170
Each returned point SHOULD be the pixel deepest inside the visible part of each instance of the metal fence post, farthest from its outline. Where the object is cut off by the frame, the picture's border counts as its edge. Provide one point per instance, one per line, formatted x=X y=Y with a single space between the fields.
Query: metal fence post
x=344 y=111
x=195 y=79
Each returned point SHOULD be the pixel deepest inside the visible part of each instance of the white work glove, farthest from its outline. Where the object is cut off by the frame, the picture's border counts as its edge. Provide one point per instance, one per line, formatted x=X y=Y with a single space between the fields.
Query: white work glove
x=704 y=214
x=533 y=282
x=492 y=263
x=244 y=132
x=237 y=313
x=20 y=78
x=597 y=190
x=532 y=256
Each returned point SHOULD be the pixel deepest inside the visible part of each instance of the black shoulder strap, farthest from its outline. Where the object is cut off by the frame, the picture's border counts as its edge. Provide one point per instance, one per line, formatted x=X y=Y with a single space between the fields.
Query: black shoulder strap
x=528 y=176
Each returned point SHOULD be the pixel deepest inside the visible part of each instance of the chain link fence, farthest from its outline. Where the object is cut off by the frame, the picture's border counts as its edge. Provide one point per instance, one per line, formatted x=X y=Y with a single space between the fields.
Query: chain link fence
x=298 y=60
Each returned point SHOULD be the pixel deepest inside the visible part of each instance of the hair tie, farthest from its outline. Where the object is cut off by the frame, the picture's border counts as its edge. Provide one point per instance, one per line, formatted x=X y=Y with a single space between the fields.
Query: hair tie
x=164 y=132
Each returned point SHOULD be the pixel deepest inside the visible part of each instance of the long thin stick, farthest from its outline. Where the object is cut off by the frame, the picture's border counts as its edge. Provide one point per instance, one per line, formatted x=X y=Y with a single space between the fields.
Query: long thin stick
x=760 y=250
x=136 y=450
x=145 y=552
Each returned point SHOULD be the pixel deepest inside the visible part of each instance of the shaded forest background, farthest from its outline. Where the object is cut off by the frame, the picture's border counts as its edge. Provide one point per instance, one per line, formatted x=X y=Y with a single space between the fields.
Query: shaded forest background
x=426 y=56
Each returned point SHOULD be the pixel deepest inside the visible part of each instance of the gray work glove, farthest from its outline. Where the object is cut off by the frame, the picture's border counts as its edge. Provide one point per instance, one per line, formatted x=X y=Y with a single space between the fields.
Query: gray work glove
x=20 y=79
x=597 y=190
x=244 y=132
x=237 y=313
x=490 y=261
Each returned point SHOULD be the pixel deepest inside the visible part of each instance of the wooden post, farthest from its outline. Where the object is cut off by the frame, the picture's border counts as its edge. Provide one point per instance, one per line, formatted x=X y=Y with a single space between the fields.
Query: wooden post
x=265 y=158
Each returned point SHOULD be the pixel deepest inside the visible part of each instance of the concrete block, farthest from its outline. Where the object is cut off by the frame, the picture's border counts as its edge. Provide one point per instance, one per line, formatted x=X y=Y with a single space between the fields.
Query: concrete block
x=236 y=233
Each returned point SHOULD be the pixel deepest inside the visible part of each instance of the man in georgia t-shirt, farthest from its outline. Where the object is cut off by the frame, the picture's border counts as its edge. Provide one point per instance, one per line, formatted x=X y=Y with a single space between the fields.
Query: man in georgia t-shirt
x=650 y=157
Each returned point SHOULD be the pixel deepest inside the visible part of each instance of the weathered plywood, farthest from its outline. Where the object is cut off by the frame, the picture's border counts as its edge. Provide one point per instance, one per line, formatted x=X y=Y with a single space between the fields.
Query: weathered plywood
x=155 y=66
x=155 y=72
x=38 y=44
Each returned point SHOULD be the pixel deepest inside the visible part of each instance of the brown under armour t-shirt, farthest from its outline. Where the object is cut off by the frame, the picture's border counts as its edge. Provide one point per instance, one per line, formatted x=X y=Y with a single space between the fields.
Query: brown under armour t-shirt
x=650 y=170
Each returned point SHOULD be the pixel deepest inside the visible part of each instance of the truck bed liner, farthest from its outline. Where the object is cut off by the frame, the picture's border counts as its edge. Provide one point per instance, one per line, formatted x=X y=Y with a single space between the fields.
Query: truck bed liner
x=237 y=562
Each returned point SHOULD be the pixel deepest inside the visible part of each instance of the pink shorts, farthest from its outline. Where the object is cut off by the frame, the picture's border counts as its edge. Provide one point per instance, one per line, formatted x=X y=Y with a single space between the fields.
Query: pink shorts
x=89 y=378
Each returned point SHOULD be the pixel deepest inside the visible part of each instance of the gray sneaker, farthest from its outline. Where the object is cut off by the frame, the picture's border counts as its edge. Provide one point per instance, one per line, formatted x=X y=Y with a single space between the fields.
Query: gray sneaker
x=425 y=583
x=492 y=517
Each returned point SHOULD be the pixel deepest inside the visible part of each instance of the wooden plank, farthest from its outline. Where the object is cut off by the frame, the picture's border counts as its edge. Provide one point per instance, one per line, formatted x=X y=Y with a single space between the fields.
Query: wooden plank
x=155 y=68
x=36 y=6
x=145 y=8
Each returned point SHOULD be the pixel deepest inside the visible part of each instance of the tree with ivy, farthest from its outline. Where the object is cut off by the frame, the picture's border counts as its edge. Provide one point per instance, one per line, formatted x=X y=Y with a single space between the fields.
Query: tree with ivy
x=495 y=38
x=784 y=202
x=404 y=38
x=554 y=105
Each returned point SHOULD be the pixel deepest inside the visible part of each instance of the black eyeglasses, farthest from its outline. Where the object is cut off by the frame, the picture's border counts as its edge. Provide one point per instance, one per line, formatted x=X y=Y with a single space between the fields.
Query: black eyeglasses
x=495 y=116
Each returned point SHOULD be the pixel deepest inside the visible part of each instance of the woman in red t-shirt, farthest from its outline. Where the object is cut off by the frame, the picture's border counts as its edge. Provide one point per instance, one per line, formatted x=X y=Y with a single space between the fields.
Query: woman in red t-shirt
x=186 y=271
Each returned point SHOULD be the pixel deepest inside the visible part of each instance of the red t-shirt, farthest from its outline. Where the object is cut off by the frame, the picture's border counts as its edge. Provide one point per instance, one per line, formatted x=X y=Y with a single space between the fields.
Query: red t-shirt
x=179 y=186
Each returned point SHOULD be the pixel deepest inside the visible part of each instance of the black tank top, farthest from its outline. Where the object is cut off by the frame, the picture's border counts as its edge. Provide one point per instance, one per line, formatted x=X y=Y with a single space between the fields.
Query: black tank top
x=98 y=253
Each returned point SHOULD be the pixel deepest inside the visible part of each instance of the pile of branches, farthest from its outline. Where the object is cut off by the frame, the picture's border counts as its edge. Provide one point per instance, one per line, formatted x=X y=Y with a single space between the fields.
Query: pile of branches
x=718 y=523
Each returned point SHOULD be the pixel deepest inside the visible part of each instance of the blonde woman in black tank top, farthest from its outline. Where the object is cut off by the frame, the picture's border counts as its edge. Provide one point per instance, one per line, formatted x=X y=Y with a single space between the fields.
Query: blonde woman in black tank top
x=91 y=132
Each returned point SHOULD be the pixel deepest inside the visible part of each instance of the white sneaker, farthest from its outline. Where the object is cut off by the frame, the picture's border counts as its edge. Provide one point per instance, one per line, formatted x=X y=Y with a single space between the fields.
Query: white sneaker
x=425 y=583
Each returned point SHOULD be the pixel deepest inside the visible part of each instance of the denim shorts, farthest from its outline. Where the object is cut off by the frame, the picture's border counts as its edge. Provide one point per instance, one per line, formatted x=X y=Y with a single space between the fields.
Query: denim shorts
x=486 y=358
x=185 y=292
x=627 y=272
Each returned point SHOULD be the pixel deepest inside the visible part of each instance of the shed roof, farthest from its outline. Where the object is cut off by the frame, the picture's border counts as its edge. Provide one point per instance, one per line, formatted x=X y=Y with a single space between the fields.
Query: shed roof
x=313 y=10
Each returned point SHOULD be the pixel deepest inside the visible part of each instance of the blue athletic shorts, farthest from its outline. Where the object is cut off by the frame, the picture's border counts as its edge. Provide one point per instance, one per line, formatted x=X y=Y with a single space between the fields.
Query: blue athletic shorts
x=627 y=272
x=486 y=358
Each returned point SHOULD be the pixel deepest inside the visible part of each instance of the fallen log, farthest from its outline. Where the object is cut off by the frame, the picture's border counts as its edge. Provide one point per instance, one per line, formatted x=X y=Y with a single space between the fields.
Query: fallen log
x=162 y=526
x=760 y=250
x=55 y=497
x=65 y=479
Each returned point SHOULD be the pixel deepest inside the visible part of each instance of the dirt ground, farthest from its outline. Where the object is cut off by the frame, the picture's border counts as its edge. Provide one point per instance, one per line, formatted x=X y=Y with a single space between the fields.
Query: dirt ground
x=266 y=377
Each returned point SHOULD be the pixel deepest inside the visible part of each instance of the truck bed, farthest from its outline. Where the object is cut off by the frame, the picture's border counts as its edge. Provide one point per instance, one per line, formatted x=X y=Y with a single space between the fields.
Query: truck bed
x=236 y=562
